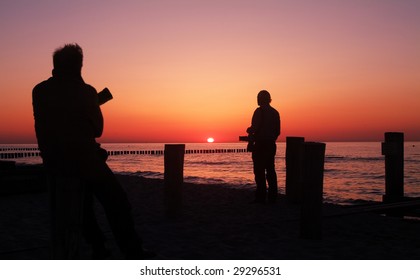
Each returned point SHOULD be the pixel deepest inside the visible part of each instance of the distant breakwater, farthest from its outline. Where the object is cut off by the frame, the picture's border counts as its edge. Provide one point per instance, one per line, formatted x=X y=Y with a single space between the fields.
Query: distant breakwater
x=22 y=152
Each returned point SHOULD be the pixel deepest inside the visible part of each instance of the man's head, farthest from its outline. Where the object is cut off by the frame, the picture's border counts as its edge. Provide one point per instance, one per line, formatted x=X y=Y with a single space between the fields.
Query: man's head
x=68 y=60
x=263 y=98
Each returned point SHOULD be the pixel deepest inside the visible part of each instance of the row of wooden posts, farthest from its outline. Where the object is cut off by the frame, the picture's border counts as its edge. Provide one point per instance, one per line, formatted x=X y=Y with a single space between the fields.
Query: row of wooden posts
x=11 y=155
x=161 y=152
x=18 y=149
x=304 y=178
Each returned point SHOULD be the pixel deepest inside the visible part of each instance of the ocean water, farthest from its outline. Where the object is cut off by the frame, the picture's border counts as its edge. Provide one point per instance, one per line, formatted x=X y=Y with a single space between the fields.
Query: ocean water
x=354 y=171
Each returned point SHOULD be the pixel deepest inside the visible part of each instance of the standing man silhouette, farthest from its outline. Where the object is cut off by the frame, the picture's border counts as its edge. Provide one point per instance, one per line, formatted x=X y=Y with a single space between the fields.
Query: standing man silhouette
x=68 y=120
x=263 y=133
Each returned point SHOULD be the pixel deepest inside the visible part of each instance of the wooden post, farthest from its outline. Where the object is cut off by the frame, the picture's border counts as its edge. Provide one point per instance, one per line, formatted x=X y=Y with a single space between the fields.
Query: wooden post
x=174 y=178
x=294 y=165
x=393 y=149
x=312 y=195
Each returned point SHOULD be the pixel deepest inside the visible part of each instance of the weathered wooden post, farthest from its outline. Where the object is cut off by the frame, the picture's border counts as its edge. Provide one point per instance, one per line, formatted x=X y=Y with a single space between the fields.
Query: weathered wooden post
x=294 y=167
x=174 y=178
x=312 y=190
x=393 y=149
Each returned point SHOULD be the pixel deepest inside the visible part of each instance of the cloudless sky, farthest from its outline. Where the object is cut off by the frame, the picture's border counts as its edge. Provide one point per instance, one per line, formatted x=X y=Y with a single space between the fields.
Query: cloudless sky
x=183 y=71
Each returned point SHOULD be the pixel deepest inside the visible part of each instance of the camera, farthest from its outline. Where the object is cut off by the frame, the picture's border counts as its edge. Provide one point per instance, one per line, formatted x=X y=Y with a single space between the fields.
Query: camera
x=104 y=96
x=251 y=142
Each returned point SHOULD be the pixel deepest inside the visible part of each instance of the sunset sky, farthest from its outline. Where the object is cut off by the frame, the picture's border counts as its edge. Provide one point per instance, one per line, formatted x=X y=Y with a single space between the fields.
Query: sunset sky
x=183 y=71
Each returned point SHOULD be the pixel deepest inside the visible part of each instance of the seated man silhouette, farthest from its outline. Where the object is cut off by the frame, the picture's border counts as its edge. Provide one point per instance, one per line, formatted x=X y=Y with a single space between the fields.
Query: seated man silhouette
x=67 y=121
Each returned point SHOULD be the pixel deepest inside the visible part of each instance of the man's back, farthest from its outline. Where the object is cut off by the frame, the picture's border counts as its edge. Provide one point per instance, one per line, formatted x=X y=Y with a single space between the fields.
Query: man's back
x=267 y=123
x=67 y=118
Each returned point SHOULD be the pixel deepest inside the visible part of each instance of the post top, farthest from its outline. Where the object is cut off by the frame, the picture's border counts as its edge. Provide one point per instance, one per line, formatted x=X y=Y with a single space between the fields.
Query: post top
x=294 y=137
x=394 y=137
x=174 y=147
x=314 y=144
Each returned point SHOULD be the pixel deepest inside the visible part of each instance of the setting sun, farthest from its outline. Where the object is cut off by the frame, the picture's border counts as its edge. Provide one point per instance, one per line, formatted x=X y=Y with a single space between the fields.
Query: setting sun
x=210 y=140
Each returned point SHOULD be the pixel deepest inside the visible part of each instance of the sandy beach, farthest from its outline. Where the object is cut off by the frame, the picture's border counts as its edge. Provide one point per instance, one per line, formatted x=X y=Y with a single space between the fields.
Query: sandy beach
x=217 y=222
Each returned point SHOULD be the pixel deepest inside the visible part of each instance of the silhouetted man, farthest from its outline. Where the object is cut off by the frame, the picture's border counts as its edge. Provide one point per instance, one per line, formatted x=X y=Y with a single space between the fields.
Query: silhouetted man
x=67 y=121
x=263 y=133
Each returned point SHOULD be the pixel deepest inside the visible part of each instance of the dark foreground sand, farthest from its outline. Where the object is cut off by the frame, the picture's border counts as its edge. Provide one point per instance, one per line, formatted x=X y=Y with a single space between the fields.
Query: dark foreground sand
x=217 y=222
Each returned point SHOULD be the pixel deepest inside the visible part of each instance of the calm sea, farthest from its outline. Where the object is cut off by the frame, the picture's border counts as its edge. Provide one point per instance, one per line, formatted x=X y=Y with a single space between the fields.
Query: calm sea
x=354 y=171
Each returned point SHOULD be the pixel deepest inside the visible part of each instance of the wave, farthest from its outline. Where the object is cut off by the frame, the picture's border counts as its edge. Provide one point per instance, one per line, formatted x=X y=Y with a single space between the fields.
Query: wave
x=332 y=170
x=342 y=158
x=206 y=162
x=335 y=157
x=202 y=180
x=148 y=174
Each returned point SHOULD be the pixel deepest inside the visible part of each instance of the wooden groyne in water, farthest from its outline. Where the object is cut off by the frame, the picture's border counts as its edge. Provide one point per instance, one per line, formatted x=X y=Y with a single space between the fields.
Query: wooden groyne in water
x=162 y=152
x=18 y=149
x=18 y=152
x=19 y=155
x=34 y=152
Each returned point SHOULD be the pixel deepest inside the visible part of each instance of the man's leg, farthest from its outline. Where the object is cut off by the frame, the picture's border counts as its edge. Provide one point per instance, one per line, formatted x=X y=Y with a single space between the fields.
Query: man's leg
x=91 y=230
x=259 y=173
x=113 y=198
x=271 y=172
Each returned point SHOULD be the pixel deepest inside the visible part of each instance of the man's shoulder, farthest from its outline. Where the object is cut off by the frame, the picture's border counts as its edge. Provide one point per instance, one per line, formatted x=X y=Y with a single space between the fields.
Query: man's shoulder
x=274 y=110
x=90 y=88
x=43 y=83
x=274 y=113
x=268 y=109
x=42 y=86
x=258 y=111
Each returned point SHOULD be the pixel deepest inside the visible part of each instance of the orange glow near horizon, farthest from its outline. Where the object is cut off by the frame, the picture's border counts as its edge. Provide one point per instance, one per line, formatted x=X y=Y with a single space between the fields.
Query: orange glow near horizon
x=182 y=71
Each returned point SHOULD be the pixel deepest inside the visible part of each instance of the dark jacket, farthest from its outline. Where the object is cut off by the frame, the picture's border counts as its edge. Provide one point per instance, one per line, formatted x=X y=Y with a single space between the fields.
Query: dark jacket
x=67 y=120
x=265 y=125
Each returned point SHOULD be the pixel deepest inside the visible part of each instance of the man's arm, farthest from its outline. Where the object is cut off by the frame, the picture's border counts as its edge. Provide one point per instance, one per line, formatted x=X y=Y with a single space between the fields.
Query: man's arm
x=95 y=113
x=278 y=125
x=256 y=122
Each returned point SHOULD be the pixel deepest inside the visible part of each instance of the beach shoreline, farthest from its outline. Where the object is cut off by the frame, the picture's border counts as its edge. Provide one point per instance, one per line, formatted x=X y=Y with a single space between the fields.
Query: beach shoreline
x=216 y=223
